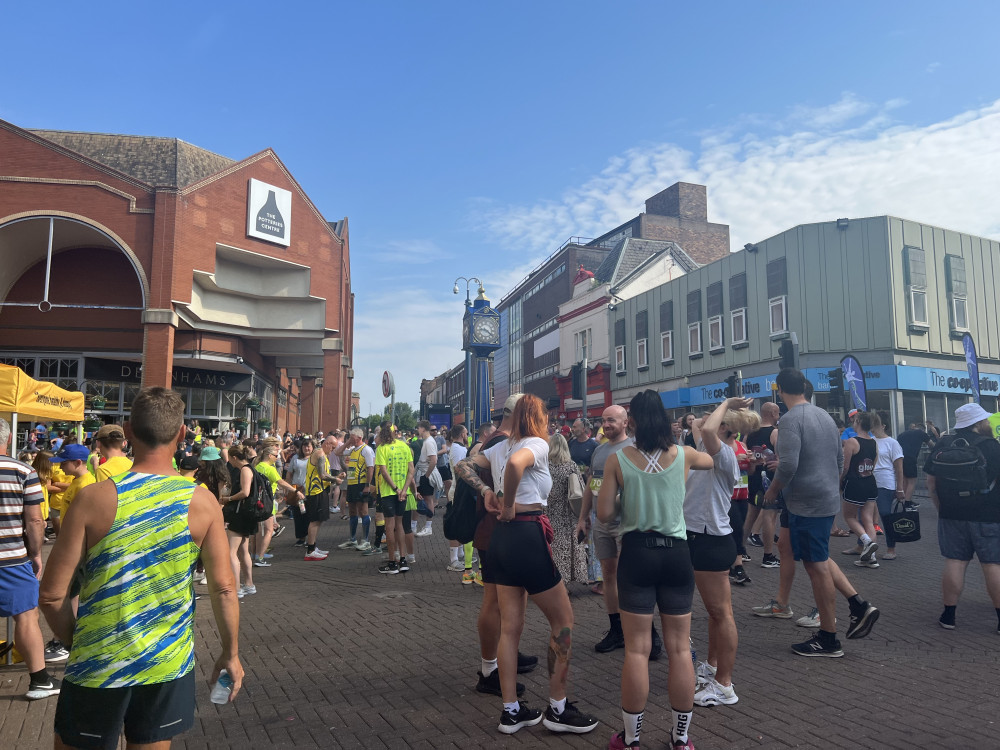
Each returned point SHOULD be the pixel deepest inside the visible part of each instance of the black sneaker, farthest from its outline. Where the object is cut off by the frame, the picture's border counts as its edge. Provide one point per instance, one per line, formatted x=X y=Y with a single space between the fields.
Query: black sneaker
x=612 y=639
x=491 y=684
x=755 y=540
x=300 y=542
x=525 y=663
x=390 y=568
x=37 y=691
x=862 y=622
x=910 y=505
x=55 y=651
x=770 y=561
x=738 y=576
x=657 y=648
x=404 y=565
x=814 y=647
x=525 y=717
x=947 y=621
x=746 y=557
x=570 y=720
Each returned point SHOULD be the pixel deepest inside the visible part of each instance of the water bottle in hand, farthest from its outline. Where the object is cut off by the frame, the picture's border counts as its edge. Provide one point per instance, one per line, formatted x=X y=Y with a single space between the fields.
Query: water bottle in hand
x=222 y=688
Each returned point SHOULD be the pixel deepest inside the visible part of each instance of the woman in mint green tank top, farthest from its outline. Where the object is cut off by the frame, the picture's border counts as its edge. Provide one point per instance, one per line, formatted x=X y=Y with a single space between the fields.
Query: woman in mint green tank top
x=654 y=568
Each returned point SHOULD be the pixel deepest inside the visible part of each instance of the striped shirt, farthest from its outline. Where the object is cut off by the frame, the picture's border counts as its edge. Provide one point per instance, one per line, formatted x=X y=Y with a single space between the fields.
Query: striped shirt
x=19 y=486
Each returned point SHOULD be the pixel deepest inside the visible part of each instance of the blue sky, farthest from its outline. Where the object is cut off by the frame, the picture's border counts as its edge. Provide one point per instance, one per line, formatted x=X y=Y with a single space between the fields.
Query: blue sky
x=473 y=138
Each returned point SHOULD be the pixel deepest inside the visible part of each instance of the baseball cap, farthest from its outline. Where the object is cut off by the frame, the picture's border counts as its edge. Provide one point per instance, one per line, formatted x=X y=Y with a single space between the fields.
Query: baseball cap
x=74 y=452
x=852 y=413
x=969 y=414
x=209 y=453
x=511 y=402
x=188 y=463
x=109 y=431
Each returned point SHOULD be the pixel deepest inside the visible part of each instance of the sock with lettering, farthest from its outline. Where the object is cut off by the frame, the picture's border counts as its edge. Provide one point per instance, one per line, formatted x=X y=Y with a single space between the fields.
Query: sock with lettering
x=633 y=725
x=489 y=667
x=682 y=723
x=557 y=706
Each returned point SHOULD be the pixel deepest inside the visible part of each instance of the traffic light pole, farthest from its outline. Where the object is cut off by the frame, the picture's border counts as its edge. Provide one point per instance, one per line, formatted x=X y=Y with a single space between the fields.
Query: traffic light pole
x=583 y=412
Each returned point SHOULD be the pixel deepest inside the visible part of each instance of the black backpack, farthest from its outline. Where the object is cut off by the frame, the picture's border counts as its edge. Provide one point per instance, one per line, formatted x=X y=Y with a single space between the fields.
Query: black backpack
x=259 y=506
x=959 y=467
x=460 y=518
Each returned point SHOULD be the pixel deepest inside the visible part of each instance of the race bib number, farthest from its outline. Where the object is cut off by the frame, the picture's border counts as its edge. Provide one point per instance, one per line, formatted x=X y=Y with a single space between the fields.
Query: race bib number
x=595 y=484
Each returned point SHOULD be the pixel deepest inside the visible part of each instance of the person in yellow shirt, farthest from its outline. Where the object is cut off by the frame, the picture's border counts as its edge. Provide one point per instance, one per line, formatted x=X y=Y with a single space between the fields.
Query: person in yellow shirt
x=73 y=459
x=59 y=482
x=110 y=440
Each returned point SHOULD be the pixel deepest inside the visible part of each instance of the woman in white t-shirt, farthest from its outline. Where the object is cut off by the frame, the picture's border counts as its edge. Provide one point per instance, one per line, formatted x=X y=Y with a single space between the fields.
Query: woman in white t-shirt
x=519 y=562
x=888 y=479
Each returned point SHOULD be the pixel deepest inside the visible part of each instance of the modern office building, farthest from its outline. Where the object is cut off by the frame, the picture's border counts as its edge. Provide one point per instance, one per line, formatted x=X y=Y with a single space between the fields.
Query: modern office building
x=896 y=294
x=133 y=261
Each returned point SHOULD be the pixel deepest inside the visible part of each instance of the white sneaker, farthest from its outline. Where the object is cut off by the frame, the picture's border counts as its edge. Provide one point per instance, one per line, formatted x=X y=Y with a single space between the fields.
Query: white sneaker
x=363 y=546
x=426 y=531
x=200 y=578
x=873 y=563
x=314 y=555
x=247 y=590
x=335 y=509
x=457 y=566
x=323 y=552
x=349 y=544
x=868 y=553
x=809 y=621
x=703 y=673
x=713 y=693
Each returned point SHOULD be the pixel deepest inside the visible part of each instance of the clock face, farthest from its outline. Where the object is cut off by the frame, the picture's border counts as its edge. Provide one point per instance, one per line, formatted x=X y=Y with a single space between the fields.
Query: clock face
x=487 y=330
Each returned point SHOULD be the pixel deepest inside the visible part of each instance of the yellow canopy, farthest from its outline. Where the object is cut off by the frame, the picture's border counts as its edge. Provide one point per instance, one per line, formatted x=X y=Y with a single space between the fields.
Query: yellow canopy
x=20 y=394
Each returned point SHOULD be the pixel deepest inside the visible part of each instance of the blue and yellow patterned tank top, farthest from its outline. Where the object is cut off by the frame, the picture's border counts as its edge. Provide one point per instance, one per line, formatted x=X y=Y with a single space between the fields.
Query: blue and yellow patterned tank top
x=134 y=625
x=314 y=477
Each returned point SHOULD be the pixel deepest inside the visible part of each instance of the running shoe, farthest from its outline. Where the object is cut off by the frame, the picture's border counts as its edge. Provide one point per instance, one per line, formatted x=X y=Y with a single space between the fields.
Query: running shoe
x=814 y=647
x=526 y=663
x=618 y=742
x=878 y=530
x=755 y=540
x=703 y=672
x=525 y=717
x=427 y=531
x=457 y=566
x=746 y=557
x=300 y=542
x=335 y=509
x=910 y=505
x=491 y=684
x=739 y=576
x=39 y=690
x=873 y=563
x=862 y=622
x=682 y=745
x=809 y=621
x=278 y=531
x=314 y=555
x=479 y=578
x=267 y=555
x=946 y=621
x=868 y=553
x=571 y=720
x=364 y=546
x=404 y=565
x=349 y=544
x=389 y=568
x=259 y=562
x=770 y=561
x=612 y=640
x=774 y=610
x=713 y=693
x=372 y=551
x=248 y=590
x=468 y=578
x=55 y=651
x=199 y=577
x=323 y=551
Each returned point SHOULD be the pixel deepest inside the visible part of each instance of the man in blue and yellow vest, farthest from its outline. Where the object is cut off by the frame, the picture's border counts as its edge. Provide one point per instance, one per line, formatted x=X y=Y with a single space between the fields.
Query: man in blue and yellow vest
x=359 y=462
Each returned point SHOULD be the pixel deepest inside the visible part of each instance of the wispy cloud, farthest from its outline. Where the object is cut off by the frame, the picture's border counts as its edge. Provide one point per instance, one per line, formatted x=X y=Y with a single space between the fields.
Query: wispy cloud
x=933 y=67
x=414 y=251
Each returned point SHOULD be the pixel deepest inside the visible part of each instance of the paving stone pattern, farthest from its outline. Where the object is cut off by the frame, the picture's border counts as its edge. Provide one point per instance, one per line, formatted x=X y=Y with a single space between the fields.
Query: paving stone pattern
x=339 y=656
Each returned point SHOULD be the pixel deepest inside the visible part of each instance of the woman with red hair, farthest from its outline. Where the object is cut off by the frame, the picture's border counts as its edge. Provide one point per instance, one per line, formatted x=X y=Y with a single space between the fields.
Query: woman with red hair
x=520 y=562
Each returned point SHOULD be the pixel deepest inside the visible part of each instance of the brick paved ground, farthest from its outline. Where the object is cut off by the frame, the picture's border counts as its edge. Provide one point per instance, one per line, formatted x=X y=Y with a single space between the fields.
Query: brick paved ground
x=340 y=656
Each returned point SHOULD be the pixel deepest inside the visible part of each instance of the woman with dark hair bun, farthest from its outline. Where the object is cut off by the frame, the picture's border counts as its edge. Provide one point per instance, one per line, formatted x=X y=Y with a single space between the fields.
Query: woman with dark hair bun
x=654 y=568
x=687 y=421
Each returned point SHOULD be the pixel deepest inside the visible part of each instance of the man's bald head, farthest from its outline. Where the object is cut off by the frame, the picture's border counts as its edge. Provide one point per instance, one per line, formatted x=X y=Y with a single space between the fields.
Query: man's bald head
x=614 y=420
x=769 y=413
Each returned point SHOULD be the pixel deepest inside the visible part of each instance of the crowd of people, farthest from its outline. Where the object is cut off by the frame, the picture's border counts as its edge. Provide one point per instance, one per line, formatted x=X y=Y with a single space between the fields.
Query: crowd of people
x=644 y=510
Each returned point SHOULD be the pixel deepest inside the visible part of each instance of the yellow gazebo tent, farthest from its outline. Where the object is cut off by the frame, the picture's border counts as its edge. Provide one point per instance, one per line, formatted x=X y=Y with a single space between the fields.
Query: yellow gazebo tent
x=20 y=394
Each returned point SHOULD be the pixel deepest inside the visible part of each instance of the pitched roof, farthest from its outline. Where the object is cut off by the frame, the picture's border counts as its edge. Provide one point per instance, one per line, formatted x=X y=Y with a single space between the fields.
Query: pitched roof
x=161 y=162
x=631 y=253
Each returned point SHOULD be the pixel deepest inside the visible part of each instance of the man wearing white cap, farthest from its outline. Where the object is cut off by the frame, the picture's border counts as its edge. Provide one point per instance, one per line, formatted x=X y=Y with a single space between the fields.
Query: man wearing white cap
x=968 y=503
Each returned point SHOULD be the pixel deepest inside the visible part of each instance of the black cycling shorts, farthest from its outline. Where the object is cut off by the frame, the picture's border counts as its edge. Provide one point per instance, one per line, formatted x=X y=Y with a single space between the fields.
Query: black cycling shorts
x=520 y=556
x=651 y=576
x=711 y=554
x=390 y=506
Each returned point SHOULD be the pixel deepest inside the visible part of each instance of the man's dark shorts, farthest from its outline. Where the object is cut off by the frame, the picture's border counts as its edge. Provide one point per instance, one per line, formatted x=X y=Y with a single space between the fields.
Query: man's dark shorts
x=810 y=537
x=391 y=506
x=445 y=472
x=18 y=590
x=318 y=507
x=958 y=540
x=910 y=467
x=93 y=717
x=356 y=493
x=424 y=487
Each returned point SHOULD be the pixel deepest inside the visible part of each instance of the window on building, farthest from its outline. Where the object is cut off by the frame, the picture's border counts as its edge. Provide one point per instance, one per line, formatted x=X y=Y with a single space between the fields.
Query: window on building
x=694 y=306
x=715 y=333
x=667 y=346
x=620 y=345
x=619 y=359
x=582 y=343
x=738 y=305
x=641 y=357
x=915 y=275
x=694 y=339
x=641 y=338
x=667 y=331
x=713 y=302
x=958 y=292
x=777 y=295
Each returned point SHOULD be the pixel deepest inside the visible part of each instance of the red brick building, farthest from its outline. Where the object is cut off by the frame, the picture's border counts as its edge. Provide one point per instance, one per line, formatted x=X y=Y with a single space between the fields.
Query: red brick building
x=131 y=260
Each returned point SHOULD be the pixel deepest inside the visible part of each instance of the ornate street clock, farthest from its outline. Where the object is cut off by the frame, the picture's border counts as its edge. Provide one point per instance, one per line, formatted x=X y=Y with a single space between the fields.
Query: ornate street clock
x=481 y=329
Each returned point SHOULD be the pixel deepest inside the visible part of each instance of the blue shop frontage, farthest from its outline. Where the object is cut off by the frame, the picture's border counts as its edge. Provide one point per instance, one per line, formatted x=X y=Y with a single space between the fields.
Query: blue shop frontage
x=908 y=393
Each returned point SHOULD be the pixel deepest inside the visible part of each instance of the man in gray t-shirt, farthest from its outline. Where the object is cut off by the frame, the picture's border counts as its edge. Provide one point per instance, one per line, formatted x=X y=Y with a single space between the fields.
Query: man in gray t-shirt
x=810 y=457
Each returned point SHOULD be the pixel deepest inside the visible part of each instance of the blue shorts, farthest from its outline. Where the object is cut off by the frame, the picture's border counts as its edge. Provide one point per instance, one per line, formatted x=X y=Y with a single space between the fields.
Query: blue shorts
x=958 y=540
x=18 y=590
x=810 y=537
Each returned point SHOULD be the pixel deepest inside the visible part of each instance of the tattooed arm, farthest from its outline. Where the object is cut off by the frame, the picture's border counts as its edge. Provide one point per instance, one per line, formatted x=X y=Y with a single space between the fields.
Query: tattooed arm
x=467 y=472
